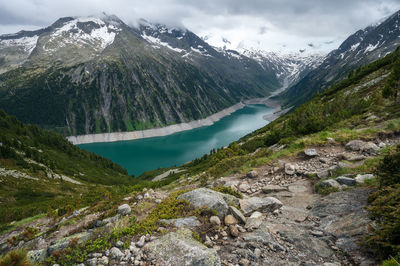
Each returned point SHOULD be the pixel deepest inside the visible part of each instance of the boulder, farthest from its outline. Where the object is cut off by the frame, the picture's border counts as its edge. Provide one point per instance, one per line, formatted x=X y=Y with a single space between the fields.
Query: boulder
x=102 y=261
x=311 y=152
x=124 y=209
x=273 y=188
x=215 y=220
x=370 y=147
x=37 y=256
x=361 y=178
x=323 y=174
x=237 y=214
x=250 y=205
x=182 y=222
x=290 y=169
x=252 y=174
x=230 y=220
x=355 y=145
x=210 y=199
x=243 y=187
x=64 y=242
x=330 y=183
x=180 y=248
x=141 y=242
x=254 y=221
x=116 y=253
x=346 y=180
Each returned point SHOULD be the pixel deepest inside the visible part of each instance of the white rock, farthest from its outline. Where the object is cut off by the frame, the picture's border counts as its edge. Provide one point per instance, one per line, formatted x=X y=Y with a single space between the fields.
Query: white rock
x=215 y=220
x=361 y=178
x=290 y=169
x=141 y=242
x=311 y=152
x=124 y=209
x=115 y=253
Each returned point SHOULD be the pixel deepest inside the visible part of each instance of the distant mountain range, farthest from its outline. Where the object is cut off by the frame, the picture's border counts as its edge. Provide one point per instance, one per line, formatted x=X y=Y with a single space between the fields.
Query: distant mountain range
x=361 y=48
x=97 y=74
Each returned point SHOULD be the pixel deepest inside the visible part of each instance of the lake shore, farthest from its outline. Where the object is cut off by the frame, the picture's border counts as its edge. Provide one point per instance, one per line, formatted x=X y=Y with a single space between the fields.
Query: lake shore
x=168 y=130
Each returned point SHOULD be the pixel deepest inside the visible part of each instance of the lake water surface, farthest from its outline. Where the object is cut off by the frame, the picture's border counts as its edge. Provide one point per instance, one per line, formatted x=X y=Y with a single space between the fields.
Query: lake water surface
x=141 y=155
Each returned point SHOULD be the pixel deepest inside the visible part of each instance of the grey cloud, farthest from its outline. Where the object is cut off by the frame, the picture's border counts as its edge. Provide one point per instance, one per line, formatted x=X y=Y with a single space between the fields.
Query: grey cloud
x=305 y=19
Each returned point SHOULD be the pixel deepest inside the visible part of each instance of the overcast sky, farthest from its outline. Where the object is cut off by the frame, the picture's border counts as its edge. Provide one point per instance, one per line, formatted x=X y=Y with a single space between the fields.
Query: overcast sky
x=274 y=25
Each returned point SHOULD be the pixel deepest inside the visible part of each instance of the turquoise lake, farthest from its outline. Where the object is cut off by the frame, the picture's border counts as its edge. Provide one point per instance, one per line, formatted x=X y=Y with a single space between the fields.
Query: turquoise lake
x=141 y=155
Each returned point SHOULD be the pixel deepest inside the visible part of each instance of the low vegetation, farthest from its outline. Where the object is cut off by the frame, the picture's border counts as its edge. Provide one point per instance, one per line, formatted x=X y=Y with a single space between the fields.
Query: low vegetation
x=384 y=209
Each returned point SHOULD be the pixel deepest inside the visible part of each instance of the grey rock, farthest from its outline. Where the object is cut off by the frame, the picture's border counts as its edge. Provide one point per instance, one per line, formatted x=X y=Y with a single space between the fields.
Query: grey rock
x=180 y=248
x=189 y=222
x=330 y=183
x=262 y=236
x=273 y=188
x=37 y=256
x=252 y=174
x=64 y=242
x=91 y=262
x=370 y=147
x=215 y=220
x=343 y=215
x=361 y=178
x=119 y=243
x=107 y=220
x=311 y=152
x=254 y=221
x=290 y=169
x=381 y=145
x=237 y=214
x=317 y=233
x=141 y=242
x=355 y=145
x=250 y=205
x=203 y=197
x=116 y=253
x=103 y=261
x=323 y=174
x=346 y=180
x=124 y=209
x=244 y=187
x=257 y=253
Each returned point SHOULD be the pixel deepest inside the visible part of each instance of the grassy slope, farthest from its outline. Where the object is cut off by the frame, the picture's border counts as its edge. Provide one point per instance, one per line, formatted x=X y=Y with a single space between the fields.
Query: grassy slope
x=42 y=154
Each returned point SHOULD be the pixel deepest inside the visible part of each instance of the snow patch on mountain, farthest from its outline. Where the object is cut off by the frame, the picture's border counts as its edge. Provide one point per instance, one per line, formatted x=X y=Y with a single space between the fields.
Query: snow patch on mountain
x=27 y=43
x=157 y=43
x=290 y=67
x=99 y=37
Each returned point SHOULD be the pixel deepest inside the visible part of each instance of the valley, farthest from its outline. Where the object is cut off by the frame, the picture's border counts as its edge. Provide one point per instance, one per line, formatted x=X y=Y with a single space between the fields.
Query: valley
x=138 y=143
x=148 y=154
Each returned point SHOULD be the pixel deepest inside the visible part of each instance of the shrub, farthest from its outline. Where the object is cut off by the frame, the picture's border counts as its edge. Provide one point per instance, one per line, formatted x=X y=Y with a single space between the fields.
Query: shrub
x=228 y=190
x=15 y=258
x=384 y=209
x=389 y=169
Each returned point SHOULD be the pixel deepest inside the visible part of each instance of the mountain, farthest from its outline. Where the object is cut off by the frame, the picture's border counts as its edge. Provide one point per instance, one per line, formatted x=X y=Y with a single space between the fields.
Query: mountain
x=289 y=68
x=97 y=74
x=361 y=48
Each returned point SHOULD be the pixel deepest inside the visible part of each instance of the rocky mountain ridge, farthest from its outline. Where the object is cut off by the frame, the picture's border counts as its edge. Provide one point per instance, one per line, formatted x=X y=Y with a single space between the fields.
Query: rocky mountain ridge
x=362 y=47
x=289 y=68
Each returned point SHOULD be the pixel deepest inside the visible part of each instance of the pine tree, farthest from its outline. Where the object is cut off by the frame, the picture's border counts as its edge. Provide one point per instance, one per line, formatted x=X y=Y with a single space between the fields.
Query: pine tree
x=392 y=86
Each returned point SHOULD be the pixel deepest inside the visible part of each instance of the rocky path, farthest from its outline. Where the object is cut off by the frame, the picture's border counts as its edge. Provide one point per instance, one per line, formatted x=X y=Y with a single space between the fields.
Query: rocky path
x=279 y=221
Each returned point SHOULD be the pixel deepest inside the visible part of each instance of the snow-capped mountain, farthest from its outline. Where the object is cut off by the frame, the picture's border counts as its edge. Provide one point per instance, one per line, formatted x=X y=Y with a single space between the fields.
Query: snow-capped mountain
x=98 y=74
x=362 y=47
x=289 y=68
